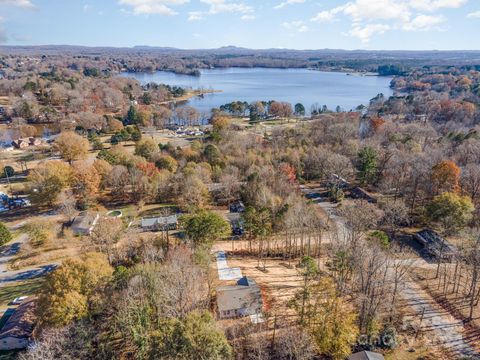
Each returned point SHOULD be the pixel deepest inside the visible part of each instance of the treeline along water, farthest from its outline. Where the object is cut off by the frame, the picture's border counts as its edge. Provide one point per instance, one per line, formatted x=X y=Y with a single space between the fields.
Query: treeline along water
x=304 y=86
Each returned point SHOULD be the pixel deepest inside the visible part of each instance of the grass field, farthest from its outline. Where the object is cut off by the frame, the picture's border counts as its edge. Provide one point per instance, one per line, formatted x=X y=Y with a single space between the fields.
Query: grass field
x=25 y=288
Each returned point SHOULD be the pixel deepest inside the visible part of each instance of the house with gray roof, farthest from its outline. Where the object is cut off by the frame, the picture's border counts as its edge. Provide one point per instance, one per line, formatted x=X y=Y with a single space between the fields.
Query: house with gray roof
x=84 y=223
x=163 y=223
x=17 y=332
x=242 y=299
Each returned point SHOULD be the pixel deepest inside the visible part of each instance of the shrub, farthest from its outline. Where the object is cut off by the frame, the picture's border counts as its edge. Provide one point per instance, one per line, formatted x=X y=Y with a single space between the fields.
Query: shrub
x=5 y=234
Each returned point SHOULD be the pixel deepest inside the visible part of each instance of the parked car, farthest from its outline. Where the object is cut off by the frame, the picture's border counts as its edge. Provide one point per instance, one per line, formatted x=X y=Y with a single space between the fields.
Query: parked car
x=237 y=228
x=237 y=207
x=19 y=300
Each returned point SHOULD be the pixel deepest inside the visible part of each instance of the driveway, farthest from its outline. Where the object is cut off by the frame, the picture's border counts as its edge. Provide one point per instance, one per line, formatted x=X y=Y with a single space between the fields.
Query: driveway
x=8 y=253
x=442 y=328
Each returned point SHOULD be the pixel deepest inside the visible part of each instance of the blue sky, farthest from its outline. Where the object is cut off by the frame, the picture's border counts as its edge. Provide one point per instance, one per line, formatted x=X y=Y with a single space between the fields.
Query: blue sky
x=296 y=24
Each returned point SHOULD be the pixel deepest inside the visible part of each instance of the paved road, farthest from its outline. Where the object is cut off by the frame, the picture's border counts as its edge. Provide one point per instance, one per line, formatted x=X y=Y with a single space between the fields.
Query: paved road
x=8 y=253
x=444 y=329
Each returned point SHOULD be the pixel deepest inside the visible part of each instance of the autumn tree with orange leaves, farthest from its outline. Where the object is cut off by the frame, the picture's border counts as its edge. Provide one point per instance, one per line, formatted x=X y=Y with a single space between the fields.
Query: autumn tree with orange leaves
x=445 y=177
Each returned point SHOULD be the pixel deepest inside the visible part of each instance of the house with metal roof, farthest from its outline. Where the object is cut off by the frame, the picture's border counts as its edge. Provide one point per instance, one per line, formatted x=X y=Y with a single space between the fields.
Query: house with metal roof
x=242 y=299
x=84 y=223
x=163 y=223
x=17 y=332
x=435 y=245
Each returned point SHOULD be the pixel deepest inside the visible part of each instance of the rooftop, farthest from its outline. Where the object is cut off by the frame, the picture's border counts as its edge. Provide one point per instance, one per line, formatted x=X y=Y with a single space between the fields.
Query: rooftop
x=434 y=241
x=21 y=323
x=246 y=294
x=84 y=220
x=159 y=221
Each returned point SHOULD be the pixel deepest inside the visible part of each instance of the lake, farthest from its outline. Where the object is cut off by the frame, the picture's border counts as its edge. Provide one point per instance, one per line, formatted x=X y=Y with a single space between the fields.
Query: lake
x=304 y=86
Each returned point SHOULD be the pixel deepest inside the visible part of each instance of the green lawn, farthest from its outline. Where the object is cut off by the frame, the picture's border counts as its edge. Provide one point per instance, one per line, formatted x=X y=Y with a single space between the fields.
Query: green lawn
x=24 y=288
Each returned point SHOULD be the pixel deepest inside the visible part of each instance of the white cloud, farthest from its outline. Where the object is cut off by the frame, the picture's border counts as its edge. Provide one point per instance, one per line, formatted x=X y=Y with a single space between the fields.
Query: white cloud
x=474 y=15
x=298 y=26
x=324 y=16
x=364 y=33
x=371 y=17
x=288 y=2
x=424 y=22
x=373 y=10
x=19 y=3
x=247 y=17
x=432 y=5
x=328 y=15
x=87 y=7
x=224 y=6
x=147 y=7
x=195 y=15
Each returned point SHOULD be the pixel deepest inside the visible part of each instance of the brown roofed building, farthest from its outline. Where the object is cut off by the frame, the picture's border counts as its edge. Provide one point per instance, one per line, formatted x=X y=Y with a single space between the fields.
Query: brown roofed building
x=17 y=332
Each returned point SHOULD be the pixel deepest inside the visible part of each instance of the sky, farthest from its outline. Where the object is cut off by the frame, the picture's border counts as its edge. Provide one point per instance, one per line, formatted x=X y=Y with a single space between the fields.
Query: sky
x=293 y=24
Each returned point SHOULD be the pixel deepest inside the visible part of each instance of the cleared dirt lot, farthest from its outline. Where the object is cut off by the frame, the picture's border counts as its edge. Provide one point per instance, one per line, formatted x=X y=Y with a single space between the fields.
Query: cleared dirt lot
x=279 y=283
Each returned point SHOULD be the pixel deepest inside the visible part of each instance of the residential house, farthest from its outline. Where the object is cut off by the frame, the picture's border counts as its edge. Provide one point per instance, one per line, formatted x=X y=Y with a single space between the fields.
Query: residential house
x=16 y=334
x=84 y=223
x=436 y=246
x=242 y=299
x=163 y=223
x=366 y=355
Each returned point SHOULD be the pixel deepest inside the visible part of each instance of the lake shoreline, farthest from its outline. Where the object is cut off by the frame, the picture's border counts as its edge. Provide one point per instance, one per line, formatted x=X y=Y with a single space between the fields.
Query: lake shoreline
x=348 y=72
x=190 y=94
x=311 y=87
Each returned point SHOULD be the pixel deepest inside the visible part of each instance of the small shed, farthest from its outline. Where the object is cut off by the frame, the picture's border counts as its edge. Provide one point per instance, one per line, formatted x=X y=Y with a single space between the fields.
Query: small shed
x=366 y=355
x=242 y=299
x=435 y=245
x=17 y=332
x=163 y=223
x=84 y=223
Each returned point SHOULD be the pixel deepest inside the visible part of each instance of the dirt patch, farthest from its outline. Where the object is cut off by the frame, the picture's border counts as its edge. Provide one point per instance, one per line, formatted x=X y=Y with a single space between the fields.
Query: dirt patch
x=278 y=282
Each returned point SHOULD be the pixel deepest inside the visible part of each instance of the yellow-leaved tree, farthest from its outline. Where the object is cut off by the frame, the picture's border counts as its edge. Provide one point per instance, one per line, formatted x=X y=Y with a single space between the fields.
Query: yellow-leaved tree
x=328 y=318
x=67 y=289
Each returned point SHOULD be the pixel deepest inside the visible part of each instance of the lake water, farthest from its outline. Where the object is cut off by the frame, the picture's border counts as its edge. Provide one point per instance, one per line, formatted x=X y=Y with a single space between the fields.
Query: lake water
x=304 y=86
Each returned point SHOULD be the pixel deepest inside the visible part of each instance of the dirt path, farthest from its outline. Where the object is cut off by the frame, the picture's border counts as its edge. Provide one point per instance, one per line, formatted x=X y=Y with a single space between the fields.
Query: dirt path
x=442 y=328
